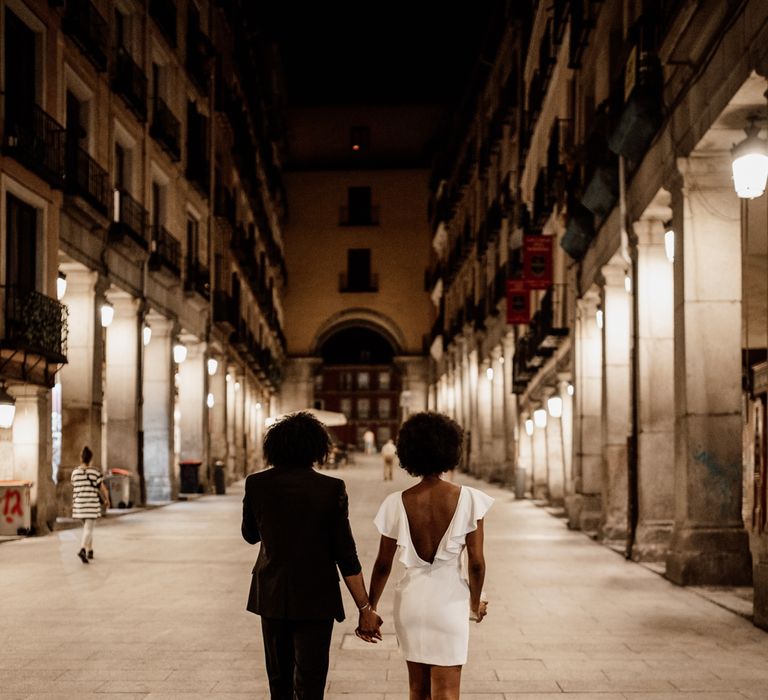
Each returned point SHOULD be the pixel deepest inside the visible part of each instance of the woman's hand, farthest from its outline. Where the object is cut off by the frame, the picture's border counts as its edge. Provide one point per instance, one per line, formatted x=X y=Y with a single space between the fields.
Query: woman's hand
x=369 y=625
x=480 y=613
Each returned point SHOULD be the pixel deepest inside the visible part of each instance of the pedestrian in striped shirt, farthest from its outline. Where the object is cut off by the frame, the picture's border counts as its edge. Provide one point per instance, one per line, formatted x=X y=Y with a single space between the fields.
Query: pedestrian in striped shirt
x=87 y=483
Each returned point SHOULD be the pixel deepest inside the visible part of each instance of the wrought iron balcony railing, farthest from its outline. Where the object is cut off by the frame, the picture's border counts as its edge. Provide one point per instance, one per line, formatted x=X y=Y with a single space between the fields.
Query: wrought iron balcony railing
x=129 y=218
x=37 y=141
x=165 y=251
x=89 y=30
x=34 y=323
x=130 y=82
x=86 y=178
x=166 y=129
x=164 y=14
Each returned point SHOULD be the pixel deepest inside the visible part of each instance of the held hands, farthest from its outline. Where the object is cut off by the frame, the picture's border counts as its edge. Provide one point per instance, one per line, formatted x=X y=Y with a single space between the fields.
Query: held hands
x=369 y=625
x=480 y=613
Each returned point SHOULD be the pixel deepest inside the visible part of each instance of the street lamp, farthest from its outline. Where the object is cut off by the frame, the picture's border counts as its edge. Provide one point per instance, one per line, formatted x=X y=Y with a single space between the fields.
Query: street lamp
x=179 y=353
x=528 y=427
x=540 y=418
x=669 y=244
x=599 y=319
x=107 y=314
x=489 y=374
x=146 y=334
x=213 y=365
x=555 y=406
x=7 y=407
x=750 y=163
x=210 y=401
x=61 y=285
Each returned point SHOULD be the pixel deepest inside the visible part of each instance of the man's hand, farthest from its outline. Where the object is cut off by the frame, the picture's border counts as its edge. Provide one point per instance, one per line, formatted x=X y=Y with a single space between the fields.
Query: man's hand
x=369 y=625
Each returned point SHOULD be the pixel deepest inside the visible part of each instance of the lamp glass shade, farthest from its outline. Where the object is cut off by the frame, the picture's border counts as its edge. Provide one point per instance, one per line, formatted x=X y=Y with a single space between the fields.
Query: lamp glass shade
x=669 y=245
x=489 y=374
x=237 y=386
x=570 y=390
x=179 y=353
x=7 y=408
x=213 y=365
x=210 y=401
x=628 y=284
x=107 y=314
x=599 y=318
x=529 y=427
x=61 y=286
x=540 y=418
x=750 y=170
x=146 y=334
x=555 y=406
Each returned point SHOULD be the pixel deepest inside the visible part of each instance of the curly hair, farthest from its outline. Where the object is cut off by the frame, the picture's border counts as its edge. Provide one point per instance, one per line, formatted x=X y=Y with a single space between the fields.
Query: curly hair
x=298 y=440
x=429 y=443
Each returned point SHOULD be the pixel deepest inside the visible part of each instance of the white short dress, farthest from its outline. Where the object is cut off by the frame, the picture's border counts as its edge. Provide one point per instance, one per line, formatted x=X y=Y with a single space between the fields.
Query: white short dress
x=431 y=612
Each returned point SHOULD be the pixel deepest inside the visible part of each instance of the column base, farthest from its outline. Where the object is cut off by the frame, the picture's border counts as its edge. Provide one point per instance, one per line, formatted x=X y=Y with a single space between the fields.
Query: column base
x=709 y=557
x=760 y=577
x=652 y=540
x=584 y=512
x=158 y=489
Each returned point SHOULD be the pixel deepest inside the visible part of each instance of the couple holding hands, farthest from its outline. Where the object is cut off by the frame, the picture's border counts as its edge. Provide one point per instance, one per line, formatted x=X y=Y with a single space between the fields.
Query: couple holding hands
x=300 y=517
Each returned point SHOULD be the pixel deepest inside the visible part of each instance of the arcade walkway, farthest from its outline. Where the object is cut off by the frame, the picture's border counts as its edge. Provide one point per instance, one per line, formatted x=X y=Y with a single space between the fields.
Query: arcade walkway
x=160 y=614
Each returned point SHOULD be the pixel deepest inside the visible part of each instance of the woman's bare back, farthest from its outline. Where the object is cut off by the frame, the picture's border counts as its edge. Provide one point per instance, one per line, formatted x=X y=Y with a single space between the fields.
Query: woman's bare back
x=430 y=507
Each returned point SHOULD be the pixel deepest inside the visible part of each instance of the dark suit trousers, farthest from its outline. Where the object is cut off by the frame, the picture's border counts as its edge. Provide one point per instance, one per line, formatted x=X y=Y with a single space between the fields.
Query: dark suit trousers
x=296 y=653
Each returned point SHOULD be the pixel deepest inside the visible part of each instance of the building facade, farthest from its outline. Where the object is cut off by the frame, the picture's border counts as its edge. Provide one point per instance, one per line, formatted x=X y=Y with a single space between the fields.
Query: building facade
x=357 y=179
x=141 y=185
x=622 y=376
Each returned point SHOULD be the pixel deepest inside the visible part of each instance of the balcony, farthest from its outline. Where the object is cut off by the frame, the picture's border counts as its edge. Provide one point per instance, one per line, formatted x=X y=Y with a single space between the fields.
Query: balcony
x=198 y=279
x=165 y=252
x=34 y=323
x=129 y=219
x=166 y=129
x=197 y=63
x=129 y=81
x=358 y=216
x=38 y=142
x=87 y=179
x=164 y=14
x=89 y=30
x=225 y=312
x=354 y=285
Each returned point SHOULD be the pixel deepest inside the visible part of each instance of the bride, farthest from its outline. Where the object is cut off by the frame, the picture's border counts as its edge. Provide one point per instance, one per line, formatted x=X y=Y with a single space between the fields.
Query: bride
x=431 y=524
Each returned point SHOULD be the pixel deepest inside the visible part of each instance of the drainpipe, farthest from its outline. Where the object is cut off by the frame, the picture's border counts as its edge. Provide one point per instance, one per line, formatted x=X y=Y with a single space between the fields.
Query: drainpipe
x=629 y=254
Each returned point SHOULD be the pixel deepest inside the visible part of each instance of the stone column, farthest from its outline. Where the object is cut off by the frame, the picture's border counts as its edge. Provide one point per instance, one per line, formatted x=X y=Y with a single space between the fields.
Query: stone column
x=217 y=385
x=498 y=425
x=539 y=463
x=121 y=391
x=241 y=468
x=510 y=413
x=555 y=456
x=298 y=389
x=32 y=451
x=414 y=373
x=584 y=505
x=157 y=414
x=616 y=401
x=656 y=399
x=473 y=428
x=709 y=544
x=229 y=380
x=192 y=407
x=485 y=422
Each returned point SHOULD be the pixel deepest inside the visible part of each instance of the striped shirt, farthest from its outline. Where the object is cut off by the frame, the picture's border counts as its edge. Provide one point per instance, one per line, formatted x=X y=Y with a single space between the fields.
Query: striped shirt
x=85 y=493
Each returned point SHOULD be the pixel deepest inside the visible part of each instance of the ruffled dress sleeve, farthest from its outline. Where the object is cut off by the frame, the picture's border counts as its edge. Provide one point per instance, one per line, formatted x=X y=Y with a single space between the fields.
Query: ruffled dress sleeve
x=387 y=520
x=473 y=506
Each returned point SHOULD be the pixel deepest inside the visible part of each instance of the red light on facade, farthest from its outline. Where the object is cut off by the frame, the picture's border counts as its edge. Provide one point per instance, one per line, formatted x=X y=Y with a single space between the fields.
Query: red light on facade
x=356 y=147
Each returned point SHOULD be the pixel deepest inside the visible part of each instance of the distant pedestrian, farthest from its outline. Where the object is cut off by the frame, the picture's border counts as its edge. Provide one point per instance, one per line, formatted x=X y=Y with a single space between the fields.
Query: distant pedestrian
x=368 y=442
x=388 y=452
x=87 y=484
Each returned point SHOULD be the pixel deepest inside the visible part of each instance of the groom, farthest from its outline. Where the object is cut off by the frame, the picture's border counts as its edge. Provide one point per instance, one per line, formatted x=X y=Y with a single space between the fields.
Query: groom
x=301 y=519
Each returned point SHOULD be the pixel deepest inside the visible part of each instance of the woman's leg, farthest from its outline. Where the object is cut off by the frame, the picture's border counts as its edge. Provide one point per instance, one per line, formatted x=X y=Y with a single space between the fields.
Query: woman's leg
x=88 y=534
x=446 y=682
x=418 y=681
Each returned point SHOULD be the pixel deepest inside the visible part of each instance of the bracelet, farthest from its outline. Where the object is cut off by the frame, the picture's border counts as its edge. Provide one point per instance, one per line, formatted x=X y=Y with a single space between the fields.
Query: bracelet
x=367 y=605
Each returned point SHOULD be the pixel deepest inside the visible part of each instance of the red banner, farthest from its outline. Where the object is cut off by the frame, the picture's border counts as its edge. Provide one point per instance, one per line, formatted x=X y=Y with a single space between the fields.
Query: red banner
x=537 y=265
x=518 y=302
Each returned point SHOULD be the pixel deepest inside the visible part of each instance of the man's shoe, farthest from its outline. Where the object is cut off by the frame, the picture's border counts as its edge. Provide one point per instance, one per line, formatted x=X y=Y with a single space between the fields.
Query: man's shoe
x=83 y=556
x=90 y=554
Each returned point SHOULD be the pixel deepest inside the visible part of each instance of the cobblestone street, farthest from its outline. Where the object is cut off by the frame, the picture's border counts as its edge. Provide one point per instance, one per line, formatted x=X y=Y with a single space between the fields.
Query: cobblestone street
x=160 y=614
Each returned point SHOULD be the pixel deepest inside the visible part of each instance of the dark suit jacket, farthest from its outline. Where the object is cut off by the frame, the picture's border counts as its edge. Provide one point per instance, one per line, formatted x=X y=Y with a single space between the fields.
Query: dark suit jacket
x=301 y=519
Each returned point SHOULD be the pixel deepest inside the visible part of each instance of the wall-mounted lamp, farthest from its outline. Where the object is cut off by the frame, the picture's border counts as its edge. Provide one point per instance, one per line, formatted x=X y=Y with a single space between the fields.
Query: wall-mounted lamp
x=210 y=401
x=61 y=285
x=750 y=163
x=628 y=284
x=489 y=374
x=237 y=386
x=569 y=389
x=529 y=427
x=258 y=406
x=555 y=406
x=107 y=314
x=228 y=377
x=540 y=418
x=669 y=244
x=213 y=365
x=179 y=353
x=146 y=334
x=599 y=318
x=7 y=407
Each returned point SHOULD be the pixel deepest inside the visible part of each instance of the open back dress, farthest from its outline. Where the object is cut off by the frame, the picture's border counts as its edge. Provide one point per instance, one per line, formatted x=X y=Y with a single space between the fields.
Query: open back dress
x=431 y=612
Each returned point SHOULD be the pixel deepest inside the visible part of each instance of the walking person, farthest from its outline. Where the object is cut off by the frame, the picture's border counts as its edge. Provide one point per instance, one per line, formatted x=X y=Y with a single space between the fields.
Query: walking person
x=300 y=517
x=87 y=486
x=388 y=452
x=431 y=524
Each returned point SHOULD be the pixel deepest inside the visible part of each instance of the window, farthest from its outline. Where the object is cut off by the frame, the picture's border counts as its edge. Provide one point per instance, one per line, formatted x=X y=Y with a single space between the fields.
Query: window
x=384 y=381
x=358 y=277
x=359 y=140
x=21 y=244
x=345 y=406
x=363 y=408
x=385 y=407
x=383 y=433
x=158 y=204
x=20 y=83
x=345 y=380
x=360 y=211
x=318 y=382
x=193 y=238
x=363 y=380
x=77 y=123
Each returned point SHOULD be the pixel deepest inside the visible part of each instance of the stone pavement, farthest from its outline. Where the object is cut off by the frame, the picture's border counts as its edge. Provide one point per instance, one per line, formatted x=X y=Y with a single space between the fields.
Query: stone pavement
x=160 y=614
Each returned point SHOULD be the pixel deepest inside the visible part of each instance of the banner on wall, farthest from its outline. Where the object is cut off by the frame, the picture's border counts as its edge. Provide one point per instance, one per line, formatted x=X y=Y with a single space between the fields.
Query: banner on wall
x=518 y=302
x=537 y=261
